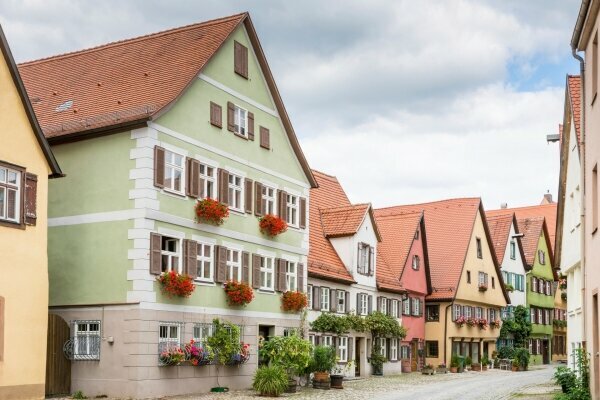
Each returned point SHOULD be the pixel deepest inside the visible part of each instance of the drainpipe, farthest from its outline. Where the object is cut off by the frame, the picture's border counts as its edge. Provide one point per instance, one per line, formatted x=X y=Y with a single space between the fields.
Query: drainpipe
x=446 y=333
x=582 y=182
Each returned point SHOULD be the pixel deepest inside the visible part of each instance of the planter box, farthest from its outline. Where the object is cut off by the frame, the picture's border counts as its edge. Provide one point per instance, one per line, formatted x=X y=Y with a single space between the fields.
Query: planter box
x=325 y=385
x=441 y=370
x=427 y=371
x=337 y=381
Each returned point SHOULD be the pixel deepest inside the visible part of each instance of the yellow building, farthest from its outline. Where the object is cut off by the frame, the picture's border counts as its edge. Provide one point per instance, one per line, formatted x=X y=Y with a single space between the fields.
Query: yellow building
x=467 y=287
x=26 y=163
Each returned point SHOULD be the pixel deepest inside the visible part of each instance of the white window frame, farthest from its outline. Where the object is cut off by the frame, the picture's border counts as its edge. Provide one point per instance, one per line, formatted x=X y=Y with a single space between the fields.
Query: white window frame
x=169 y=339
x=240 y=114
x=382 y=346
x=267 y=269
x=416 y=262
x=341 y=301
x=5 y=187
x=383 y=305
x=173 y=167
x=291 y=276
x=210 y=181
x=542 y=257
x=404 y=352
x=200 y=332
x=416 y=307
x=540 y=316
x=364 y=304
x=394 y=308
x=513 y=250
x=325 y=299
x=534 y=284
x=309 y=295
x=86 y=335
x=468 y=312
x=478 y=312
x=343 y=348
x=406 y=306
x=293 y=210
x=268 y=201
x=327 y=341
x=171 y=254
x=458 y=311
x=394 y=349
x=231 y=265
x=202 y=259
x=311 y=339
x=364 y=261
x=232 y=189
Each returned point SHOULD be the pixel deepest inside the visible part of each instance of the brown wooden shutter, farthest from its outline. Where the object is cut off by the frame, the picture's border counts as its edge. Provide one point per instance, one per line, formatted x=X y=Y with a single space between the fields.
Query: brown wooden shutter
x=250 y=126
x=190 y=258
x=388 y=307
x=248 y=199
x=216 y=115
x=240 y=59
x=265 y=137
x=377 y=305
x=258 y=199
x=300 y=272
x=246 y=267
x=2 y=312
x=159 y=167
x=223 y=177
x=193 y=178
x=281 y=266
x=282 y=204
x=332 y=300
x=316 y=298
x=155 y=256
x=30 y=206
x=256 y=261
x=370 y=306
x=302 y=210
x=221 y=263
x=230 y=117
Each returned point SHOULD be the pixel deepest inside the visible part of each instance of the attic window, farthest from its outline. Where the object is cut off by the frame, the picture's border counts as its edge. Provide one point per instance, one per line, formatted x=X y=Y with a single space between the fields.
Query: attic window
x=240 y=59
x=64 y=106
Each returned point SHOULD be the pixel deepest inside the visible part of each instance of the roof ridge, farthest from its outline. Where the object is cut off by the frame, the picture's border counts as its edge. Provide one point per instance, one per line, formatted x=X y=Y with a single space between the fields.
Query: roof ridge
x=428 y=202
x=133 y=39
x=329 y=176
x=332 y=209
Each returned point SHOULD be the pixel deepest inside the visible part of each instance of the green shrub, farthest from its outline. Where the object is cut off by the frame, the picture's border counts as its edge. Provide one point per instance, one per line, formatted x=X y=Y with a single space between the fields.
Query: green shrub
x=292 y=353
x=323 y=359
x=468 y=361
x=565 y=377
x=522 y=355
x=270 y=381
x=506 y=352
x=331 y=322
x=454 y=361
x=79 y=395
x=485 y=360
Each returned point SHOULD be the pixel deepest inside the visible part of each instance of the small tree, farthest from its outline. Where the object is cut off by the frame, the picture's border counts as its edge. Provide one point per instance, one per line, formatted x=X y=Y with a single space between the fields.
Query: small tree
x=292 y=353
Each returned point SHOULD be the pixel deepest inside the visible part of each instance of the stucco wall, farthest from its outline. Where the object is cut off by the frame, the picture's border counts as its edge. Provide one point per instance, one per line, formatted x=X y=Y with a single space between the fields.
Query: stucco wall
x=515 y=266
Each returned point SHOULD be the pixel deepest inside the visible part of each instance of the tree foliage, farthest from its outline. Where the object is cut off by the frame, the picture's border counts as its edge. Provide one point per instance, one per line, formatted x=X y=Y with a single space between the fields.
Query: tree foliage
x=292 y=353
x=519 y=327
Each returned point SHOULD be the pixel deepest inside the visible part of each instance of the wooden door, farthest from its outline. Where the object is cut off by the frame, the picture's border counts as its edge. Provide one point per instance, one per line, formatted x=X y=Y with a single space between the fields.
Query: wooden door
x=357 y=356
x=414 y=356
x=58 y=367
x=546 y=351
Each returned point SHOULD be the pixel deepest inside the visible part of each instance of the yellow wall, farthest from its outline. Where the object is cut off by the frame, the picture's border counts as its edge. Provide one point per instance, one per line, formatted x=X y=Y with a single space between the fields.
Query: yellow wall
x=23 y=258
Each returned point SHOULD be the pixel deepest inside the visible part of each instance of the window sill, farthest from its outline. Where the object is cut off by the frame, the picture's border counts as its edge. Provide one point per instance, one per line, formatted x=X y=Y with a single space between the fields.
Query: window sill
x=266 y=291
x=173 y=193
x=205 y=283
x=240 y=136
x=237 y=211
x=12 y=224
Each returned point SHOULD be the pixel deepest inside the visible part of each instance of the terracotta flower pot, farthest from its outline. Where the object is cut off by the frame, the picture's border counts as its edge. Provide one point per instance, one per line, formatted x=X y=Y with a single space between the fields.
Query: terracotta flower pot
x=454 y=370
x=321 y=376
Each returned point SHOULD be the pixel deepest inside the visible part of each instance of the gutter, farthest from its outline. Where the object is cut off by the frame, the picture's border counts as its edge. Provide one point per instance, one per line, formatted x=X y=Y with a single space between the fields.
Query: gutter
x=446 y=332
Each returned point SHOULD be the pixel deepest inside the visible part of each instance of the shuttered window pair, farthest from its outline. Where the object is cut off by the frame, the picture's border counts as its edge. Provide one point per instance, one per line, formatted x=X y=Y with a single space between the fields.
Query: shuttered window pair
x=364 y=303
x=18 y=196
x=276 y=274
x=240 y=121
x=388 y=306
x=416 y=307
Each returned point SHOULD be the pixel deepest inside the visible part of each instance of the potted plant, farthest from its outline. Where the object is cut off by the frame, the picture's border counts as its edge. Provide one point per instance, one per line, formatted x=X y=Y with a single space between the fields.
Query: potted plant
x=483 y=323
x=454 y=364
x=485 y=361
x=428 y=370
x=323 y=361
x=460 y=321
x=175 y=284
x=377 y=361
x=471 y=321
x=441 y=369
x=495 y=324
x=522 y=356
x=515 y=364
x=563 y=296
x=483 y=287
x=292 y=353
x=211 y=211
x=238 y=293
x=476 y=367
x=172 y=355
x=270 y=380
x=293 y=301
x=338 y=372
x=566 y=378
x=197 y=354
x=468 y=363
x=272 y=225
x=227 y=346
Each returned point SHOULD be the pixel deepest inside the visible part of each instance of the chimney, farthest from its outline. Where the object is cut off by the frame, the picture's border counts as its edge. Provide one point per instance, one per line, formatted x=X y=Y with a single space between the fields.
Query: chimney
x=547 y=199
x=504 y=206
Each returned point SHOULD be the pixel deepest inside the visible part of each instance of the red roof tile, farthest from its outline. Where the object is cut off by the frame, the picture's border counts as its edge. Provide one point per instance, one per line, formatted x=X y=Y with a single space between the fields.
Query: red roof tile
x=499 y=226
x=343 y=221
x=531 y=228
x=398 y=233
x=574 y=84
x=387 y=279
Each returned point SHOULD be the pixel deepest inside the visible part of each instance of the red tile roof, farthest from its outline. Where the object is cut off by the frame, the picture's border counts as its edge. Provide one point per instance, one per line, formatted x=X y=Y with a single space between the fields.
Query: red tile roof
x=531 y=228
x=574 y=84
x=499 y=226
x=344 y=220
x=449 y=225
x=387 y=279
x=323 y=260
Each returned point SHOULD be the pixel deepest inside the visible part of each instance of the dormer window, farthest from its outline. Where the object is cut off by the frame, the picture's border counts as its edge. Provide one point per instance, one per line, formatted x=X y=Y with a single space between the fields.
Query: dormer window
x=416 y=262
x=366 y=259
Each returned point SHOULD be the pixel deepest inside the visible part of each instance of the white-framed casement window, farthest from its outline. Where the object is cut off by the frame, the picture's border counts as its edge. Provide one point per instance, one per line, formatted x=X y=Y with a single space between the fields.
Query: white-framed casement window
x=493 y=314
x=267 y=272
x=311 y=339
x=534 y=284
x=538 y=346
x=86 y=340
x=406 y=306
x=457 y=311
x=383 y=305
x=234 y=264
x=309 y=295
x=478 y=312
x=416 y=307
x=327 y=341
x=513 y=249
x=236 y=192
x=325 y=299
x=366 y=258
x=201 y=332
x=548 y=288
x=540 y=315
x=532 y=315
x=483 y=278
x=382 y=346
x=404 y=352
x=394 y=308
x=416 y=262
x=170 y=254
x=205 y=262
x=10 y=194
x=341 y=301
x=468 y=312
x=293 y=210
x=268 y=199
x=291 y=276
x=343 y=348
x=208 y=180
x=240 y=121
x=364 y=304
x=394 y=349
x=169 y=335
x=546 y=317
x=174 y=172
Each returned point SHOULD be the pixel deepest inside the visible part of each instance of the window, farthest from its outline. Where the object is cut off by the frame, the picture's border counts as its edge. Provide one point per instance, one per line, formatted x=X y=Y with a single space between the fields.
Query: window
x=343 y=349
x=240 y=59
x=170 y=259
x=404 y=352
x=417 y=235
x=324 y=299
x=493 y=283
x=483 y=279
x=513 y=249
x=240 y=121
x=538 y=347
x=548 y=288
x=468 y=312
x=457 y=311
x=291 y=278
x=534 y=284
x=364 y=304
x=546 y=317
x=365 y=259
x=468 y=276
x=394 y=349
x=267 y=272
x=432 y=312
x=532 y=315
x=234 y=265
x=169 y=335
x=326 y=341
x=479 y=252
x=290 y=332
x=542 y=257
x=309 y=294
x=341 y=301
x=395 y=309
x=205 y=262
x=10 y=194
x=478 y=312
x=493 y=315
x=292 y=210
x=416 y=307
x=86 y=340
x=431 y=349
x=539 y=316
x=268 y=200
x=208 y=181
x=202 y=332
x=235 y=192
x=406 y=306
x=383 y=305
x=311 y=339
x=382 y=346
x=415 y=262
x=174 y=172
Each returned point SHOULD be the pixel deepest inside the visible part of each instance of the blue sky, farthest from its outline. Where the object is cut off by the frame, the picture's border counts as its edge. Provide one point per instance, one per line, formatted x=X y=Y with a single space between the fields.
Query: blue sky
x=404 y=101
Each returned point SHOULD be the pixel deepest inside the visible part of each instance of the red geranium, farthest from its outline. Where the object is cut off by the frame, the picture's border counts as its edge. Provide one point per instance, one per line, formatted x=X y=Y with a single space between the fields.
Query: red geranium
x=211 y=211
x=272 y=225
x=174 y=284
x=293 y=301
x=238 y=293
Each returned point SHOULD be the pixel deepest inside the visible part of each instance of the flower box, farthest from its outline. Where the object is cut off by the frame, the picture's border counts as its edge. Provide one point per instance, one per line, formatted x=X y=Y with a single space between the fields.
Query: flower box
x=173 y=355
x=460 y=321
x=211 y=211
x=471 y=321
x=483 y=287
x=175 y=284
x=483 y=323
x=197 y=354
x=441 y=370
x=293 y=301
x=272 y=225
x=242 y=357
x=238 y=293
x=495 y=324
x=428 y=371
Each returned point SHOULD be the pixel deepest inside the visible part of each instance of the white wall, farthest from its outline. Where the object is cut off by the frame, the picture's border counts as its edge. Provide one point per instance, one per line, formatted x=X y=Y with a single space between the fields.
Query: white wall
x=515 y=266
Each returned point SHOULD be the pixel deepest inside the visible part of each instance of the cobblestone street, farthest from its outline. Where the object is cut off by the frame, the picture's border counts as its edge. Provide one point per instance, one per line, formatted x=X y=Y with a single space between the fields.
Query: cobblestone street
x=493 y=384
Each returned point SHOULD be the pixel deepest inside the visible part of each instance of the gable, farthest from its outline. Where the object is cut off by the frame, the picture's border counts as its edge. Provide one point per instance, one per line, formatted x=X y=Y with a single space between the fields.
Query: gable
x=411 y=279
x=543 y=270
